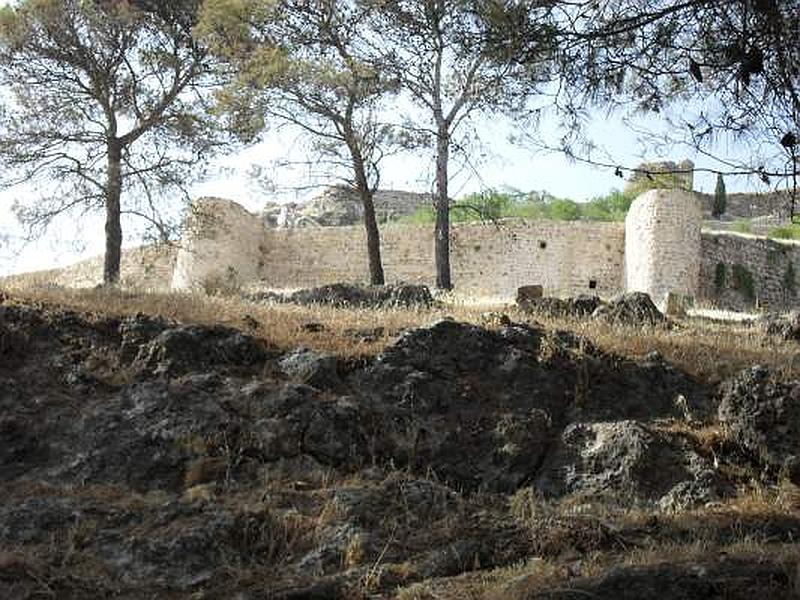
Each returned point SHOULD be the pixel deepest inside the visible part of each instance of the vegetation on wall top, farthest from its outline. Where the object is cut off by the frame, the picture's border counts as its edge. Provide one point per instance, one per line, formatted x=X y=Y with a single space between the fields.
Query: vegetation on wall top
x=492 y=204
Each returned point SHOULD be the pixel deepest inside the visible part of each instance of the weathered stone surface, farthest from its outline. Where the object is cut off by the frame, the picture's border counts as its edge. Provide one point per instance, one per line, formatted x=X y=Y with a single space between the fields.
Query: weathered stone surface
x=623 y=460
x=315 y=369
x=662 y=244
x=221 y=248
x=763 y=414
x=741 y=271
x=576 y=308
x=635 y=309
x=188 y=348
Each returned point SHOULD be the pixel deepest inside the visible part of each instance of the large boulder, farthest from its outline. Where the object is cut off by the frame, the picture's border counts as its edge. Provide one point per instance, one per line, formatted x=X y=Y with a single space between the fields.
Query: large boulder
x=357 y=296
x=578 y=308
x=763 y=415
x=481 y=407
x=624 y=461
x=633 y=308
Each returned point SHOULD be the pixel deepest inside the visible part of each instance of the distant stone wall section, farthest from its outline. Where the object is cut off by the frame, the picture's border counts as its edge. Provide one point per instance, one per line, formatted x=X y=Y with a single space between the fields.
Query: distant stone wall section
x=146 y=268
x=742 y=272
x=487 y=260
x=751 y=205
x=662 y=244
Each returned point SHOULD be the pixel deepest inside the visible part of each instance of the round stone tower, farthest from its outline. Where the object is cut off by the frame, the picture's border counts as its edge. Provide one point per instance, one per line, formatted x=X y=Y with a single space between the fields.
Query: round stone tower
x=662 y=244
x=221 y=247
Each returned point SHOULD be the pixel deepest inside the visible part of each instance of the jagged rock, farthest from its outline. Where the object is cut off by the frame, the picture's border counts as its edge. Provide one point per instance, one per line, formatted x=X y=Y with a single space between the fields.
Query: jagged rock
x=578 y=307
x=195 y=348
x=624 y=461
x=763 y=414
x=634 y=308
x=312 y=368
x=451 y=413
x=360 y=296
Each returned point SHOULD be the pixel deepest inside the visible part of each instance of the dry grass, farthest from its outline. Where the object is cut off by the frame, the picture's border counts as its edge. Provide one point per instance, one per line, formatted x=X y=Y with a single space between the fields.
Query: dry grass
x=709 y=351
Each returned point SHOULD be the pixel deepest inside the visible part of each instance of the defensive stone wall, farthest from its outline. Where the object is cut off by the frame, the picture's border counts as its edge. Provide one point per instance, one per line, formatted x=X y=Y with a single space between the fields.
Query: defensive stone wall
x=662 y=244
x=486 y=259
x=659 y=249
x=743 y=272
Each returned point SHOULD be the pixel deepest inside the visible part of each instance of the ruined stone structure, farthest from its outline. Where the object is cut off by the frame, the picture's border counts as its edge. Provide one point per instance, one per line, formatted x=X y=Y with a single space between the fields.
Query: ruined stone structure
x=662 y=244
x=222 y=247
x=659 y=249
x=667 y=174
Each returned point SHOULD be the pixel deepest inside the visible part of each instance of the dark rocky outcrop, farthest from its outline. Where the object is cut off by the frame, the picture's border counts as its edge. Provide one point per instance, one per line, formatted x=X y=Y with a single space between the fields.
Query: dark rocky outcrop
x=632 y=308
x=145 y=458
x=579 y=307
x=763 y=414
x=356 y=296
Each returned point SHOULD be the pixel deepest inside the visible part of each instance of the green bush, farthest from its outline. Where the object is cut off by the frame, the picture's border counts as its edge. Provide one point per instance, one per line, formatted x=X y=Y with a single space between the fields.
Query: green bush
x=743 y=226
x=501 y=204
x=720 y=276
x=743 y=282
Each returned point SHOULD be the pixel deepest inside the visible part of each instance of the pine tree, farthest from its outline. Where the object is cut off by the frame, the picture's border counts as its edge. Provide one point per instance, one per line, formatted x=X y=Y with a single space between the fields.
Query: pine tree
x=719 y=198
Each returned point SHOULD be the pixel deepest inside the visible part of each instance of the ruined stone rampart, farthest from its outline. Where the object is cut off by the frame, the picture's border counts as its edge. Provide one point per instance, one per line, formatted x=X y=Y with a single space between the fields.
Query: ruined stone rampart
x=146 y=268
x=659 y=249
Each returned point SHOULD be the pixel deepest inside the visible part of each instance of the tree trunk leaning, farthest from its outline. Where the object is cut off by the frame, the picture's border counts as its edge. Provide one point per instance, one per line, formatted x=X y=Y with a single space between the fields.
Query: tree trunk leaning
x=113 y=253
x=442 y=202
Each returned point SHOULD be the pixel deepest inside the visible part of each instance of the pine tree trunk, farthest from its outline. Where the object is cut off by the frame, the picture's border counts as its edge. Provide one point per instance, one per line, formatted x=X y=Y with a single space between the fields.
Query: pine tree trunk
x=113 y=209
x=376 y=276
x=442 y=202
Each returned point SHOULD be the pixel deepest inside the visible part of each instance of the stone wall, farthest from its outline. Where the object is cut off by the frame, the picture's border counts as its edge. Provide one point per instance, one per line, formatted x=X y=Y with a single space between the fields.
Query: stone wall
x=662 y=244
x=742 y=272
x=567 y=258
